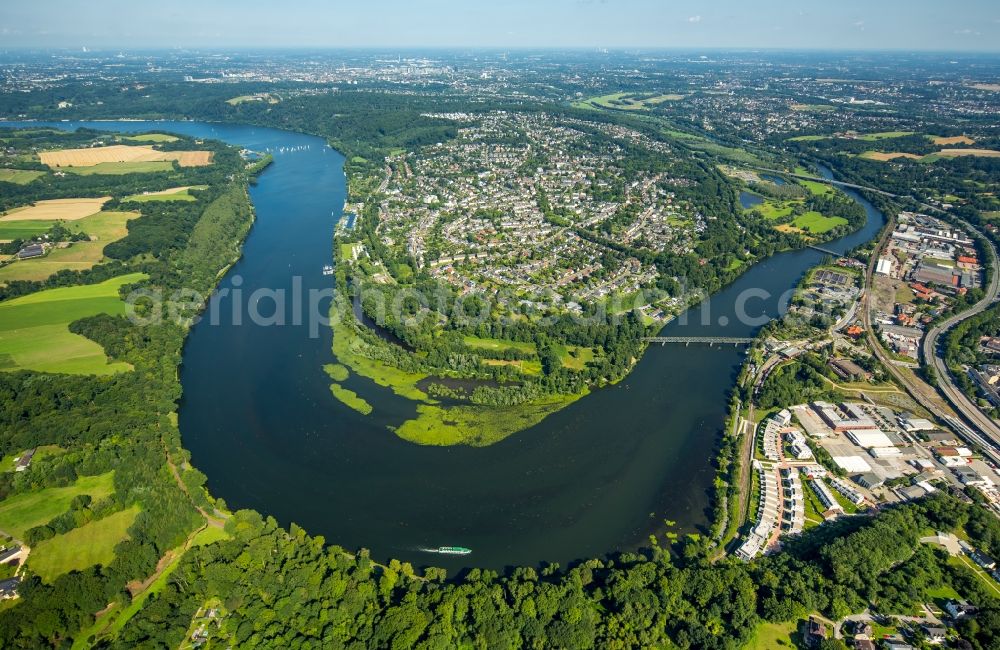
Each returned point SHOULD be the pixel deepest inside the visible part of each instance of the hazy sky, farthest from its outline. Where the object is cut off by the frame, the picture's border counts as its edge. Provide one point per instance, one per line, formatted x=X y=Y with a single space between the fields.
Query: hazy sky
x=839 y=24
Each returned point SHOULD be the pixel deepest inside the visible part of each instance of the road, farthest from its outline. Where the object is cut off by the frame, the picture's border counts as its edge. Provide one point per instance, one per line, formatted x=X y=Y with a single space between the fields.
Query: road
x=988 y=434
x=820 y=179
x=932 y=355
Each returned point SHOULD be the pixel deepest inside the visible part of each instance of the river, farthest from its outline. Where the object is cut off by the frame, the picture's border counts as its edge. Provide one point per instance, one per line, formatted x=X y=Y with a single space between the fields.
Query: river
x=599 y=476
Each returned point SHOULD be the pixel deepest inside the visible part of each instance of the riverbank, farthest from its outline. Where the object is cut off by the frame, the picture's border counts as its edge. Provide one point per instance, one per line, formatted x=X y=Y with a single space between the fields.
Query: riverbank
x=355 y=347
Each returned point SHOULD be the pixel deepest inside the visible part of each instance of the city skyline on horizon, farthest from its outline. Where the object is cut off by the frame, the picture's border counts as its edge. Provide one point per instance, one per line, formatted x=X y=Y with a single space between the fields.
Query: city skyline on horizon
x=851 y=25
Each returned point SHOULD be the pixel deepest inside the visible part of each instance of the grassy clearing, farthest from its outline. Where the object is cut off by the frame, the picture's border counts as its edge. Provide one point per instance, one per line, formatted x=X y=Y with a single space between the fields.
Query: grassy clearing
x=809 y=138
x=816 y=223
x=983 y=153
x=817 y=188
x=885 y=157
x=259 y=97
x=768 y=636
x=813 y=108
x=7 y=462
x=172 y=194
x=90 y=544
x=34 y=330
x=956 y=139
x=23 y=229
x=351 y=399
x=103 y=227
x=477 y=426
x=575 y=357
x=152 y=137
x=23 y=511
x=19 y=176
x=627 y=101
x=771 y=209
x=499 y=345
x=209 y=535
x=526 y=366
x=120 y=168
x=883 y=135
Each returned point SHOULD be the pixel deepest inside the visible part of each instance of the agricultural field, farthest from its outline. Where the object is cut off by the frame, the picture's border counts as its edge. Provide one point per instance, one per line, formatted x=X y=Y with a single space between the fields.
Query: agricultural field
x=152 y=137
x=812 y=108
x=19 y=176
x=884 y=157
x=626 y=101
x=56 y=210
x=957 y=139
x=34 y=332
x=172 y=194
x=985 y=153
x=260 y=97
x=23 y=511
x=90 y=544
x=119 y=169
x=103 y=228
x=883 y=135
x=120 y=153
x=22 y=229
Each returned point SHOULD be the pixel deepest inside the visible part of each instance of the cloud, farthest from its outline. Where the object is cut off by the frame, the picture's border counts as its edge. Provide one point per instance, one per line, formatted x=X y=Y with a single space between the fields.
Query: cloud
x=967 y=32
x=860 y=24
x=694 y=19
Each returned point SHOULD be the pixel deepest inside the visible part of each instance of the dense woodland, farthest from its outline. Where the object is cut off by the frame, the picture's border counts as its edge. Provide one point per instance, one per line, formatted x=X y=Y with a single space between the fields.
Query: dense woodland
x=121 y=422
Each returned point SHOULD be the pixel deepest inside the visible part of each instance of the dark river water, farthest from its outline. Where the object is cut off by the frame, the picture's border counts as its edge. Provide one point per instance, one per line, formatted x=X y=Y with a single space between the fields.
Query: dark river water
x=597 y=477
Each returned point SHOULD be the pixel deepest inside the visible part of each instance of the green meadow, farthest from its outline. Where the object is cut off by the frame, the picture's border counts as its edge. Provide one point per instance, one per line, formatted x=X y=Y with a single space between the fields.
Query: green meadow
x=90 y=544
x=34 y=332
x=19 y=176
x=811 y=222
x=23 y=229
x=119 y=168
x=499 y=344
x=151 y=137
x=103 y=227
x=816 y=223
x=179 y=195
x=23 y=511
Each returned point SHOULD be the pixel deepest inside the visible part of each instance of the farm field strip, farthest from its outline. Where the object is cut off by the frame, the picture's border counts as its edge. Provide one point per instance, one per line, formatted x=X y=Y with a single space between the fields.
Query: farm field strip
x=120 y=153
x=34 y=329
x=56 y=209
x=103 y=227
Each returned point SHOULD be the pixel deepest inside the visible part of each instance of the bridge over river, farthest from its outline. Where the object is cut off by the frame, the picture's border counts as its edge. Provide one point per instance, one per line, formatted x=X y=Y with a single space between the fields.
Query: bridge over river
x=711 y=340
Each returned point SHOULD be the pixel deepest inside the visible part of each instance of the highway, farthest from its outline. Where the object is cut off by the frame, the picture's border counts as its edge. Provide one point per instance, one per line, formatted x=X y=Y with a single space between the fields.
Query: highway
x=932 y=355
x=987 y=433
x=820 y=179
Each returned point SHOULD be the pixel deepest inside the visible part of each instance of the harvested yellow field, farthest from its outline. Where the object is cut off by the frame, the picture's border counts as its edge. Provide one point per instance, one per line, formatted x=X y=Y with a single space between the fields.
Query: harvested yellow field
x=172 y=190
x=121 y=153
x=878 y=155
x=986 y=153
x=64 y=209
x=957 y=139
